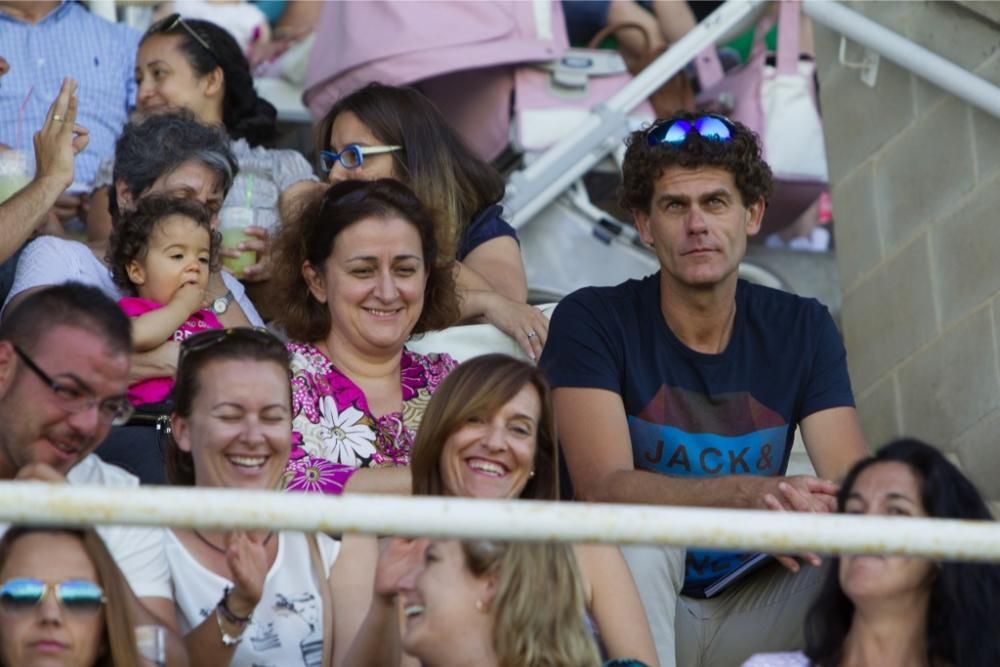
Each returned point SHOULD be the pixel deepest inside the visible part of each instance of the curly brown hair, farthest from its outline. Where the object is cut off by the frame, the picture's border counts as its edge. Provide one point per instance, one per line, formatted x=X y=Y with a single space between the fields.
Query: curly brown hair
x=131 y=232
x=740 y=156
x=309 y=237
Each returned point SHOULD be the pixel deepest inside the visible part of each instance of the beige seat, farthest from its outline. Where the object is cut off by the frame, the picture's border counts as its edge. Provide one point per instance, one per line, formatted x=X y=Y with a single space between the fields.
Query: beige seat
x=471 y=340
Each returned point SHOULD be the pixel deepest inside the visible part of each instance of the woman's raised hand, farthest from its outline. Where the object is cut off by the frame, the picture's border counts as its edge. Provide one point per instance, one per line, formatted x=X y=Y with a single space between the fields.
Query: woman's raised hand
x=397 y=556
x=246 y=555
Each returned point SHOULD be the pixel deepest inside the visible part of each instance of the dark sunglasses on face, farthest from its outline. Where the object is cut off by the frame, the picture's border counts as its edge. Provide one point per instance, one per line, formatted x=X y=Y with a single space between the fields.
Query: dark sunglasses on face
x=74 y=595
x=675 y=132
x=73 y=398
x=353 y=155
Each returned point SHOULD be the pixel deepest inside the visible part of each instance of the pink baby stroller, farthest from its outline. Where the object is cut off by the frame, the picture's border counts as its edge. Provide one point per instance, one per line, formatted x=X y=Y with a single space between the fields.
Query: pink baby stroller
x=460 y=54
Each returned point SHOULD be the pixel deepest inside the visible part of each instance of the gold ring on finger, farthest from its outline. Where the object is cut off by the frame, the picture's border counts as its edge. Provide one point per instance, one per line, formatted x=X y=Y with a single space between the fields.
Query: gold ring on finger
x=59 y=118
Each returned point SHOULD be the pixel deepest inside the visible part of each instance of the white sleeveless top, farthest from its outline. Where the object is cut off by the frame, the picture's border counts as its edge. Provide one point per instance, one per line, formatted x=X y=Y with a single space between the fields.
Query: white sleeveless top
x=287 y=626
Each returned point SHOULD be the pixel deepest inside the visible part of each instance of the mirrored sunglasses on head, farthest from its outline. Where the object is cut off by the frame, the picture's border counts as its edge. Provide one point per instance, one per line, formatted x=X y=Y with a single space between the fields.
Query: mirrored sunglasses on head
x=353 y=155
x=711 y=127
x=74 y=595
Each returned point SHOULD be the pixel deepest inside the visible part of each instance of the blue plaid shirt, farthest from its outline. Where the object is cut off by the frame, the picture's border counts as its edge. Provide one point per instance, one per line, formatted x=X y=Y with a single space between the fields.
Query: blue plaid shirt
x=72 y=42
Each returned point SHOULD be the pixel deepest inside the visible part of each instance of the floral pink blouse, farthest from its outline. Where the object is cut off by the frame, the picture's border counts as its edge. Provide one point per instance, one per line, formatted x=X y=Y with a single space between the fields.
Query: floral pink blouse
x=333 y=431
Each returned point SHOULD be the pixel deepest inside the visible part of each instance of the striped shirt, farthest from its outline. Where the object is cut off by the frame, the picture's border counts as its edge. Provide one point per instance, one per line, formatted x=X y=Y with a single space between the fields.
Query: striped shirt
x=69 y=41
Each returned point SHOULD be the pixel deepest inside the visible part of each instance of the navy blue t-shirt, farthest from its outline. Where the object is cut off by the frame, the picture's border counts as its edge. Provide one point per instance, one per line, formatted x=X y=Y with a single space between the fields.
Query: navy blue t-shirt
x=486 y=226
x=699 y=415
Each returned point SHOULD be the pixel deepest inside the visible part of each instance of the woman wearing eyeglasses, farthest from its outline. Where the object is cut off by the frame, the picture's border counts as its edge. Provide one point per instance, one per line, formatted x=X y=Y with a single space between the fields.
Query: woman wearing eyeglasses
x=258 y=597
x=63 y=601
x=388 y=132
x=196 y=65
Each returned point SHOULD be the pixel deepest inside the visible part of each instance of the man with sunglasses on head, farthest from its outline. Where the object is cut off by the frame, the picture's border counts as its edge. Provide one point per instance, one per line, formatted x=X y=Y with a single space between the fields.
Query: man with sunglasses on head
x=64 y=364
x=685 y=388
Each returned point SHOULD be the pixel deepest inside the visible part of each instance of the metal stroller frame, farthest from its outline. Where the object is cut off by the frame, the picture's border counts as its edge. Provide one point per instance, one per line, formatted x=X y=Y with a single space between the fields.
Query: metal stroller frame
x=561 y=230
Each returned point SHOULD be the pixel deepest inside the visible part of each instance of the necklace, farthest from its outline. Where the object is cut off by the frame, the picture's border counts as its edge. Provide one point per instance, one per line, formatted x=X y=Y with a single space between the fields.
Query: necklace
x=727 y=330
x=220 y=549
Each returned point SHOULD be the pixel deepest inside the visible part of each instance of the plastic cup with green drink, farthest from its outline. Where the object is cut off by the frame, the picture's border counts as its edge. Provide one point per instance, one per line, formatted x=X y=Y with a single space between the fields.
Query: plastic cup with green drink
x=233 y=223
x=14 y=173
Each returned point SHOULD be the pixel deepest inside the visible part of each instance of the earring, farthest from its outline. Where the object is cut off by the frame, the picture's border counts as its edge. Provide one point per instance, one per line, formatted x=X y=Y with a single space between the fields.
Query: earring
x=531 y=474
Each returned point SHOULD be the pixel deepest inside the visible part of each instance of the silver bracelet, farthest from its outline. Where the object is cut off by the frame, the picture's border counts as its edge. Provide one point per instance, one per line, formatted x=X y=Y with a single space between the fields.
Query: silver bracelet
x=227 y=639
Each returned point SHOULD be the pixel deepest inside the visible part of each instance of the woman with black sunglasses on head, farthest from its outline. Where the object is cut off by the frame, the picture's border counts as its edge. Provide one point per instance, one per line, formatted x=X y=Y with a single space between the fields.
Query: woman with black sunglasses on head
x=63 y=601
x=253 y=597
x=196 y=65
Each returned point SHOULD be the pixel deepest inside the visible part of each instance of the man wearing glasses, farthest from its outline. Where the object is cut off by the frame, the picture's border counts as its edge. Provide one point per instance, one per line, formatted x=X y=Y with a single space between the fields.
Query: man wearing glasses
x=685 y=388
x=64 y=367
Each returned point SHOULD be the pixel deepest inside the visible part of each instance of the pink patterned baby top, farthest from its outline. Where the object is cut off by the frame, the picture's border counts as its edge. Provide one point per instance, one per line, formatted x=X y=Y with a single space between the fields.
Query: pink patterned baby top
x=155 y=390
x=335 y=433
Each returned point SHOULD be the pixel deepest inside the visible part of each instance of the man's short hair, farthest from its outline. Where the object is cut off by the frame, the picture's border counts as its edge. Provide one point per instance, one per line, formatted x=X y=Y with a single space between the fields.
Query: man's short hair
x=70 y=304
x=740 y=156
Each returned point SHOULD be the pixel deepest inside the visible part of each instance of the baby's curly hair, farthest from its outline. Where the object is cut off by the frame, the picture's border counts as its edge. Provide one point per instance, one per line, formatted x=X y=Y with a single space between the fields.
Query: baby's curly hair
x=131 y=232
x=740 y=156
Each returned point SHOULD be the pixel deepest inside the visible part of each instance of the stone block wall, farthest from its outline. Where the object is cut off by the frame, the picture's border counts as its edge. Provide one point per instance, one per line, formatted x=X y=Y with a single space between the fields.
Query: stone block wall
x=915 y=177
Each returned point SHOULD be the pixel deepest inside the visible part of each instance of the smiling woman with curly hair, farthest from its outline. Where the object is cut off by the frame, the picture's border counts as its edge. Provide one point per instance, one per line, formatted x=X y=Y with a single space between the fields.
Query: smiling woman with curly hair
x=356 y=273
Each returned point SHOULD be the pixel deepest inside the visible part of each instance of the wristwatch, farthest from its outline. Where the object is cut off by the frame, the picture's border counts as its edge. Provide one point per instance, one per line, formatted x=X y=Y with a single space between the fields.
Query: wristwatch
x=221 y=305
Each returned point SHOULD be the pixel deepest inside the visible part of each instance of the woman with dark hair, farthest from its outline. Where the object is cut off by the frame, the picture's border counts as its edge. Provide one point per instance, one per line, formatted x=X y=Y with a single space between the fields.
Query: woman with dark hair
x=252 y=597
x=888 y=610
x=489 y=432
x=198 y=66
x=358 y=272
x=63 y=601
x=391 y=132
